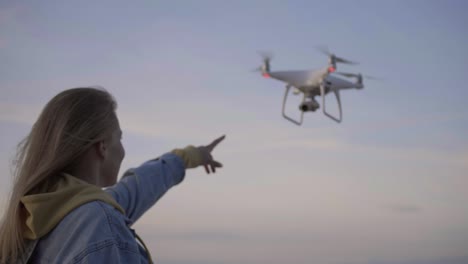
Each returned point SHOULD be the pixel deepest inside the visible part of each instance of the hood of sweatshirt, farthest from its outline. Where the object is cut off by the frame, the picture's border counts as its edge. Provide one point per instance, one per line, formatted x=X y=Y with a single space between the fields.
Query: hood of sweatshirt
x=45 y=210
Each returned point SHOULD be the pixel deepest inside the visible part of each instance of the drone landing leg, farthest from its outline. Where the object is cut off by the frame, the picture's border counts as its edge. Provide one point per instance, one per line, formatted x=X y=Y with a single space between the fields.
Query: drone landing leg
x=284 y=108
x=337 y=95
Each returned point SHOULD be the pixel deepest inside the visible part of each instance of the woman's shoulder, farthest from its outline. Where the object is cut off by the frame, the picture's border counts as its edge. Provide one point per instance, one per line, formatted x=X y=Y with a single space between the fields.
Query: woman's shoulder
x=90 y=227
x=95 y=218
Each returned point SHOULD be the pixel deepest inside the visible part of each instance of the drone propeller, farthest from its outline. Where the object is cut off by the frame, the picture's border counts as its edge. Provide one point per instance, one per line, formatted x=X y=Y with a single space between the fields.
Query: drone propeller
x=358 y=75
x=266 y=56
x=333 y=57
x=265 y=68
x=259 y=68
x=349 y=75
x=372 y=78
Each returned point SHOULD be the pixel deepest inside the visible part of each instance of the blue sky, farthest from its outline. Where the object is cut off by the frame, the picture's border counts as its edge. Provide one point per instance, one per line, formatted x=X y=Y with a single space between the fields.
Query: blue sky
x=388 y=185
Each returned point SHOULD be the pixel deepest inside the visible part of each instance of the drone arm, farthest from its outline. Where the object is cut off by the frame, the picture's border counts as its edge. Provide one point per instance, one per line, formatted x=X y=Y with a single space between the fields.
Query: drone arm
x=284 y=108
x=337 y=95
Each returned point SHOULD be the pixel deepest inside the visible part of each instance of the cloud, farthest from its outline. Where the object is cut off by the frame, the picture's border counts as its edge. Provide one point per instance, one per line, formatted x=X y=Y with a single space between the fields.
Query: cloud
x=404 y=208
x=434 y=260
x=410 y=120
x=3 y=43
x=9 y=17
x=18 y=113
x=196 y=235
x=321 y=142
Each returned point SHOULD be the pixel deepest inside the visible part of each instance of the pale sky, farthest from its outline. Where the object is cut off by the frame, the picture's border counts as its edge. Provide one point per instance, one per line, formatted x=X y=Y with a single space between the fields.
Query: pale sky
x=386 y=186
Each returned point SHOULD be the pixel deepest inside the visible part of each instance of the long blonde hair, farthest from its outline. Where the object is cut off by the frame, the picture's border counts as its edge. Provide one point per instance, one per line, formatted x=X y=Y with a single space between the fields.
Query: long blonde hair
x=67 y=127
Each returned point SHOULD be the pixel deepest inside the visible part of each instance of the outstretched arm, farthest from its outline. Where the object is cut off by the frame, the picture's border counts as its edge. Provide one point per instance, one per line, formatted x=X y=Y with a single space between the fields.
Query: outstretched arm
x=140 y=188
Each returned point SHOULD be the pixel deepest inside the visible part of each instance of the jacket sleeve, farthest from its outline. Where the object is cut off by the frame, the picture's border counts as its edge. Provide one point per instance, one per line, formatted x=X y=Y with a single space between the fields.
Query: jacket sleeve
x=140 y=188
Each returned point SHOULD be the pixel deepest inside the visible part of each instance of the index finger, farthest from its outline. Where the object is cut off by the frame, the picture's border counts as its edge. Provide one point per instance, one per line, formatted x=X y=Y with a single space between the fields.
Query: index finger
x=216 y=142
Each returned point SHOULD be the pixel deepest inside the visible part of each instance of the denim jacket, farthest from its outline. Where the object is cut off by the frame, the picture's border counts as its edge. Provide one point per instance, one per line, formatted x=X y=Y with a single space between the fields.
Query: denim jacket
x=96 y=232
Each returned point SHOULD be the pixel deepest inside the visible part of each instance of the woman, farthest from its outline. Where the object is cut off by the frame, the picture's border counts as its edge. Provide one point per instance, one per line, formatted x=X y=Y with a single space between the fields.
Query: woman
x=58 y=211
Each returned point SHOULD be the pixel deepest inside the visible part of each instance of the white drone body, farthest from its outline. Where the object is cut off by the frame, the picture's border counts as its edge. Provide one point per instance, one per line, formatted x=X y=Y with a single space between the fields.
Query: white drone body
x=313 y=83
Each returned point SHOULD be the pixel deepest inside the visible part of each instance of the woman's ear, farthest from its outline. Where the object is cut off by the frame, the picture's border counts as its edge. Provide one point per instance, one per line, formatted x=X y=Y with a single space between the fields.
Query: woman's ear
x=101 y=149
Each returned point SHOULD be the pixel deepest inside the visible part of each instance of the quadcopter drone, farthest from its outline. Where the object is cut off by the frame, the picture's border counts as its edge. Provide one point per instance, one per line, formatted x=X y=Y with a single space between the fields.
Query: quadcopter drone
x=312 y=83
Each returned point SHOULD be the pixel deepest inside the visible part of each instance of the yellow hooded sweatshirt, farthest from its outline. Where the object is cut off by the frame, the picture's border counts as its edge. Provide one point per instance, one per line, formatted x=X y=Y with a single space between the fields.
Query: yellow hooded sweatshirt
x=46 y=210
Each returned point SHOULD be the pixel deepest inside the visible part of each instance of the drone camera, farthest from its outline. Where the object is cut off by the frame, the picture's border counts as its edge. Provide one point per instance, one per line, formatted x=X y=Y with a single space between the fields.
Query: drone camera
x=309 y=106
